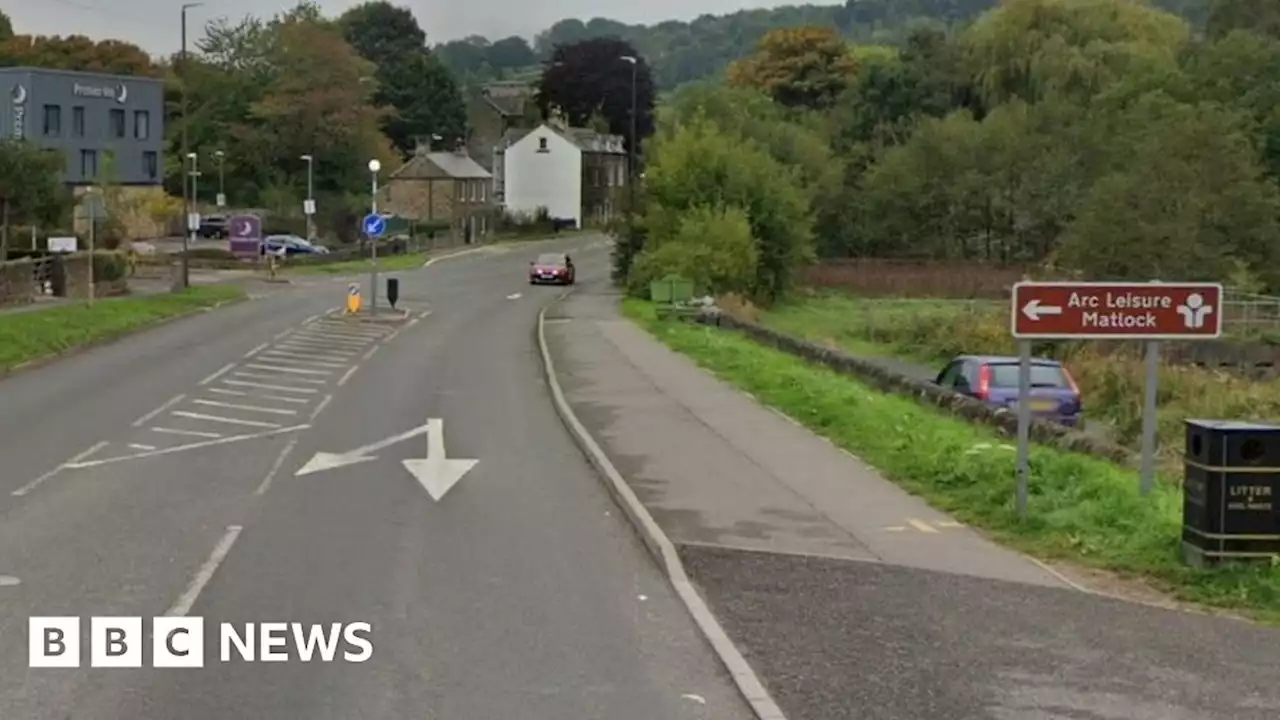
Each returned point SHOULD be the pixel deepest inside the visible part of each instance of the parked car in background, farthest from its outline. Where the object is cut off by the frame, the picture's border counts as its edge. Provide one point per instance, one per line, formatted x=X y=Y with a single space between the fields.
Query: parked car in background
x=213 y=227
x=291 y=245
x=993 y=379
x=553 y=269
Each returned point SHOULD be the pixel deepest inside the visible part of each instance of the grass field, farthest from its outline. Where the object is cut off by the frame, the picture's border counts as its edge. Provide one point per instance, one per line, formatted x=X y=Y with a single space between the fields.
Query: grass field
x=28 y=336
x=929 y=332
x=1081 y=509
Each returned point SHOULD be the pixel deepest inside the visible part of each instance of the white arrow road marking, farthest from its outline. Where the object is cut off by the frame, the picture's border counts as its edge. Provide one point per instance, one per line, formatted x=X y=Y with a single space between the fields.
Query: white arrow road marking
x=513 y=296
x=329 y=461
x=436 y=472
x=1034 y=310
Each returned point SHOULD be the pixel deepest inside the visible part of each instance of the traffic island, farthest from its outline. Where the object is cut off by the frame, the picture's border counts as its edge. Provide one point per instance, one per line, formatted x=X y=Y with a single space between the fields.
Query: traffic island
x=385 y=316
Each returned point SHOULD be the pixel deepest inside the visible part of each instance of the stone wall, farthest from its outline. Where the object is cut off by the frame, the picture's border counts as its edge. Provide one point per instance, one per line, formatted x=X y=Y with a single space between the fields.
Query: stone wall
x=1004 y=421
x=17 y=282
x=144 y=211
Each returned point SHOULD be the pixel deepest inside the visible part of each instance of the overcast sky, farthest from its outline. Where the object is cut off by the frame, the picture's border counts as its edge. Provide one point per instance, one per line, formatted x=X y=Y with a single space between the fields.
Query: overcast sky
x=155 y=24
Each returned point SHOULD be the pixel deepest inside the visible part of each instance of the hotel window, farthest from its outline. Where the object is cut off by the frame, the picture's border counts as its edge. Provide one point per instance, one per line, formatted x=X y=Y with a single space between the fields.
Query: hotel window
x=52 y=120
x=77 y=121
x=88 y=164
x=141 y=125
x=117 y=123
x=149 y=164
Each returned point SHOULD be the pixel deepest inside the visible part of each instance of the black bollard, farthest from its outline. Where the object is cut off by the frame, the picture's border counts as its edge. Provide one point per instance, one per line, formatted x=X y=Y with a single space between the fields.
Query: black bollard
x=393 y=291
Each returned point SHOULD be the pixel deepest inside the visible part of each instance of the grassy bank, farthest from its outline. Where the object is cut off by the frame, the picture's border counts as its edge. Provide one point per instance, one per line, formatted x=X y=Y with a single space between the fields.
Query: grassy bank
x=930 y=332
x=28 y=336
x=392 y=263
x=1082 y=510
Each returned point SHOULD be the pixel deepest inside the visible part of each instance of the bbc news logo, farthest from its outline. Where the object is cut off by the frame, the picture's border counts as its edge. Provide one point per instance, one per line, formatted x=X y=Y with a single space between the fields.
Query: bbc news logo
x=179 y=642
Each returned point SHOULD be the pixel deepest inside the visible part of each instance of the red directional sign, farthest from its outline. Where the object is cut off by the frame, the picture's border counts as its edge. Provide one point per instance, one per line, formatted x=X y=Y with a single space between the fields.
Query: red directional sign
x=1117 y=311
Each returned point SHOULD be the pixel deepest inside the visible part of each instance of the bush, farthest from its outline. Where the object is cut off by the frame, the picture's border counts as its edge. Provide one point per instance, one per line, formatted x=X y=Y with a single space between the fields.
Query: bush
x=110 y=266
x=712 y=247
x=208 y=253
x=521 y=223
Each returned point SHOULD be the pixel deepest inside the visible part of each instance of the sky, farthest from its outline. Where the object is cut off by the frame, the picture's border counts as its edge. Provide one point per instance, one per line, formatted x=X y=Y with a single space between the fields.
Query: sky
x=155 y=25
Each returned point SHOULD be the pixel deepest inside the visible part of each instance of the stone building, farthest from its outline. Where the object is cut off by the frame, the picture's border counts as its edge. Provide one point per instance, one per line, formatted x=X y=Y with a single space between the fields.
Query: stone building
x=447 y=188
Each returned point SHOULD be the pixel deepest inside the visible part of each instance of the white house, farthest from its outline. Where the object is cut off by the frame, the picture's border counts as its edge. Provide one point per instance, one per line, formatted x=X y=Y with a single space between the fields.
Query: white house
x=572 y=172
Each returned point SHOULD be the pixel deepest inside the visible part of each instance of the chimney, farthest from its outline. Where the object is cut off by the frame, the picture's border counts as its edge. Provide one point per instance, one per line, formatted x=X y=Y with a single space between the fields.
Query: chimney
x=460 y=147
x=421 y=147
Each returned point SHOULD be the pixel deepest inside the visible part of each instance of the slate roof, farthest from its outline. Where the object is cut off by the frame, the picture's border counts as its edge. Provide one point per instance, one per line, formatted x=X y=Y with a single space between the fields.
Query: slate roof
x=587 y=140
x=433 y=165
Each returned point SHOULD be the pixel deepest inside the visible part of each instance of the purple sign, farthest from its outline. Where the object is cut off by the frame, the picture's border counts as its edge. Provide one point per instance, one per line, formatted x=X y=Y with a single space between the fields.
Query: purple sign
x=245 y=232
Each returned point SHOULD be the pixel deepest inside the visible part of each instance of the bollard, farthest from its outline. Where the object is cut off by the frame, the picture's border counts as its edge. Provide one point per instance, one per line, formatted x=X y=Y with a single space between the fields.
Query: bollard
x=393 y=291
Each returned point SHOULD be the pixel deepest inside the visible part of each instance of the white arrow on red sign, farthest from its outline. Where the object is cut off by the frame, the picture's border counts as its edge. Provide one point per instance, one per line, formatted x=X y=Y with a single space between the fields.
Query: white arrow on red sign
x=1034 y=310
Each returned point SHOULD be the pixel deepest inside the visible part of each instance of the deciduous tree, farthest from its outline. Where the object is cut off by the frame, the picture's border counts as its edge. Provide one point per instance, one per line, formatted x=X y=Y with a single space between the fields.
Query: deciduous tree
x=411 y=81
x=30 y=186
x=798 y=67
x=76 y=52
x=591 y=77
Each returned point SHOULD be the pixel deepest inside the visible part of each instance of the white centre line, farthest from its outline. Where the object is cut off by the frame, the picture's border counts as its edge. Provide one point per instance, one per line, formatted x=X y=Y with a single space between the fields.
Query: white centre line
x=276 y=356
x=347 y=377
x=192 y=433
x=151 y=415
x=205 y=573
x=260 y=376
x=40 y=480
x=275 y=468
x=320 y=408
x=280 y=388
x=250 y=408
x=225 y=369
x=136 y=446
x=219 y=418
x=257 y=350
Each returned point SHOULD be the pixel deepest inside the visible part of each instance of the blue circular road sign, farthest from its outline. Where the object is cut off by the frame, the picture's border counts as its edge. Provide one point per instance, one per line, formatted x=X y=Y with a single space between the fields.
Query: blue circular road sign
x=374 y=225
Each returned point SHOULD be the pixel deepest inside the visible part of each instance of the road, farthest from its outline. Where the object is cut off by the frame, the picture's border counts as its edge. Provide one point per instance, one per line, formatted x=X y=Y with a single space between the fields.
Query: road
x=160 y=476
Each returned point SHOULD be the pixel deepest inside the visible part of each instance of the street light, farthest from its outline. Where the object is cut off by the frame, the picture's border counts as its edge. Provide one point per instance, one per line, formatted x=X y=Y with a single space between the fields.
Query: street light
x=192 y=222
x=309 y=207
x=186 y=199
x=374 y=168
x=222 y=177
x=631 y=151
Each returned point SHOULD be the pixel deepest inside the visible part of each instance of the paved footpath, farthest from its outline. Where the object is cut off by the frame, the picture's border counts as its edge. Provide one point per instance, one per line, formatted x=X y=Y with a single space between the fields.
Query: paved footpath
x=854 y=599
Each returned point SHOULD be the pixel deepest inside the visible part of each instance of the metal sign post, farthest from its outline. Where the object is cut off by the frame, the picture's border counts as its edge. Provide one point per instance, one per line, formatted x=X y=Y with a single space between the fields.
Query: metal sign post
x=93 y=208
x=374 y=226
x=1024 y=425
x=1151 y=312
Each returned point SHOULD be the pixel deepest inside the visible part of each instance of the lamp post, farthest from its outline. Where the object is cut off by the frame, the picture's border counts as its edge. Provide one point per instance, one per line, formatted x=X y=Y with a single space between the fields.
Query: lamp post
x=374 y=167
x=222 y=178
x=309 y=207
x=186 y=200
x=631 y=151
x=192 y=223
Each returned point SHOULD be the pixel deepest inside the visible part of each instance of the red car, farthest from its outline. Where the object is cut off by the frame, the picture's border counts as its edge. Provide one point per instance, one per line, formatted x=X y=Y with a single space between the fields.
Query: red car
x=551 y=269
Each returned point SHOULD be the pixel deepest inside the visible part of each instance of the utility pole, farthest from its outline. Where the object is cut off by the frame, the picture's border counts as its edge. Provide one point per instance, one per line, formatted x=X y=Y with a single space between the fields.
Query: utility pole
x=222 y=178
x=309 y=207
x=186 y=197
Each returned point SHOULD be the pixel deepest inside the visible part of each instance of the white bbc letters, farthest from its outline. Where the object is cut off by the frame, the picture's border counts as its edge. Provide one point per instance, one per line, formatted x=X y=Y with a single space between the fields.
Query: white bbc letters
x=115 y=642
x=53 y=642
x=177 y=642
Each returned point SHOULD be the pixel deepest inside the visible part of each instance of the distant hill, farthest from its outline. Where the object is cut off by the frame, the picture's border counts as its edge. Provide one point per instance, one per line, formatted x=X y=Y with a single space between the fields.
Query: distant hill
x=681 y=52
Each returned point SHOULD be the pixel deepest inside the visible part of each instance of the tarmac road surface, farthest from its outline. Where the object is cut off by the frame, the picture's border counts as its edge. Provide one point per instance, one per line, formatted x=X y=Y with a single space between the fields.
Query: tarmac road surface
x=159 y=476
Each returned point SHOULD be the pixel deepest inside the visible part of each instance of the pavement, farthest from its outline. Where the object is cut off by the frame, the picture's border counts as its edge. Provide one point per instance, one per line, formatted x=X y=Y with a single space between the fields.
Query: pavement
x=162 y=476
x=852 y=599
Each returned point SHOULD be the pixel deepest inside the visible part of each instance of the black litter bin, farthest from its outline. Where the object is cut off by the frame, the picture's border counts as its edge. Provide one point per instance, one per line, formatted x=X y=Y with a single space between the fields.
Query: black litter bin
x=393 y=291
x=1231 y=480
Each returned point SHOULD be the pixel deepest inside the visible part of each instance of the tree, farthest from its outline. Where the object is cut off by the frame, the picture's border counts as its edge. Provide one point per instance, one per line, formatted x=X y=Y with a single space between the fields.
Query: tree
x=1242 y=69
x=30 y=186
x=411 y=80
x=1260 y=16
x=712 y=246
x=591 y=77
x=703 y=165
x=1031 y=49
x=76 y=52
x=511 y=52
x=6 y=26
x=798 y=67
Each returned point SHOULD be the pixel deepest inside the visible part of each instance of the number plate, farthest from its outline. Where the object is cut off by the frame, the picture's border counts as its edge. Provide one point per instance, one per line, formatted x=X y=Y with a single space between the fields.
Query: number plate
x=1043 y=405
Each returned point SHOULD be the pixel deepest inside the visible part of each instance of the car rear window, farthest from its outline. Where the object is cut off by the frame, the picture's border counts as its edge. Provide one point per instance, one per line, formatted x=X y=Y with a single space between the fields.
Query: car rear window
x=1006 y=376
x=550 y=259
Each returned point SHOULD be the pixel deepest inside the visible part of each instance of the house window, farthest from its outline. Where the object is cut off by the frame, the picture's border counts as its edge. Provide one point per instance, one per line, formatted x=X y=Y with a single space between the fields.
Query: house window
x=89 y=164
x=149 y=164
x=117 y=123
x=52 y=120
x=141 y=124
x=77 y=121
x=542 y=145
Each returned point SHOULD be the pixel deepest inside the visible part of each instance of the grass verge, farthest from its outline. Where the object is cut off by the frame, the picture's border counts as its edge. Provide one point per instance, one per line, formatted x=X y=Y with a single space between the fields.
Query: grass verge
x=34 y=335
x=393 y=263
x=1081 y=509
